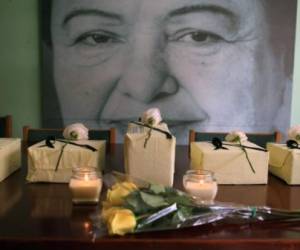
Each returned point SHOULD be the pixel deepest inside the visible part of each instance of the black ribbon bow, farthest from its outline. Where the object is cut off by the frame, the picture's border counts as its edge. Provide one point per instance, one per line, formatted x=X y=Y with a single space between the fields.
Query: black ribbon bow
x=219 y=145
x=292 y=144
x=50 y=141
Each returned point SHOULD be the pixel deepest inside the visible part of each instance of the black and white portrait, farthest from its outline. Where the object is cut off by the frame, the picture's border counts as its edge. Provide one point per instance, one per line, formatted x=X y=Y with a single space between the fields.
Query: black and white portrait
x=210 y=65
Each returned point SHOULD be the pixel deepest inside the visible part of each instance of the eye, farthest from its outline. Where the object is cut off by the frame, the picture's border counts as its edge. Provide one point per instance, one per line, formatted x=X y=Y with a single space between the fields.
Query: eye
x=195 y=42
x=97 y=38
x=199 y=37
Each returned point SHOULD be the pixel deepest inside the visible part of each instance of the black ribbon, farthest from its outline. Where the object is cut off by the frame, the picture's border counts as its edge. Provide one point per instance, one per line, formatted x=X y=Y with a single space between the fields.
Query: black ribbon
x=79 y=145
x=50 y=141
x=219 y=145
x=292 y=144
x=168 y=135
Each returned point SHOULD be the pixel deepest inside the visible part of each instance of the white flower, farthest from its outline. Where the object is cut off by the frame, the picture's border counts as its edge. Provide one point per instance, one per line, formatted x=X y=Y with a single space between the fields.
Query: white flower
x=294 y=133
x=236 y=136
x=152 y=117
x=76 y=131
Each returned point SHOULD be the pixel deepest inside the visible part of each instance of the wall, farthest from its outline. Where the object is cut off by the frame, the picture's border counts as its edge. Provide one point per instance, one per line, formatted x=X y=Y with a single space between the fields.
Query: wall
x=19 y=63
x=295 y=119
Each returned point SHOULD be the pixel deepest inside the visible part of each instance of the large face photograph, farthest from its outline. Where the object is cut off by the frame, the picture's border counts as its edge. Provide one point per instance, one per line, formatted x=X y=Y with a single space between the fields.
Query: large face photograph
x=208 y=65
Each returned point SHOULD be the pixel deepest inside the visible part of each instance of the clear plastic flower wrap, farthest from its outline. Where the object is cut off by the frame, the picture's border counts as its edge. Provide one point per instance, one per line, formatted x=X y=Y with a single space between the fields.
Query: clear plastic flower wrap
x=132 y=205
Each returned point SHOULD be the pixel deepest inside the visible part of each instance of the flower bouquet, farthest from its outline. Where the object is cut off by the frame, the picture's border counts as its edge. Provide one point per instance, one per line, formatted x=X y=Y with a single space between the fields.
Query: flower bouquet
x=132 y=206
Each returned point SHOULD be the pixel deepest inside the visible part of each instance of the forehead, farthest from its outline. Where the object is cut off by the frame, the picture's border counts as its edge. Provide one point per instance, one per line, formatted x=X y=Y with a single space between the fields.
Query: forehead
x=130 y=10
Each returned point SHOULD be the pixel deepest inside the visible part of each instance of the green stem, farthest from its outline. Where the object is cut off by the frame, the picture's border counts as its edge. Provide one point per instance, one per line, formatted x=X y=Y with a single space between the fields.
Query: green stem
x=245 y=151
x=60 y=155
x=140 y=217
x=148 y=137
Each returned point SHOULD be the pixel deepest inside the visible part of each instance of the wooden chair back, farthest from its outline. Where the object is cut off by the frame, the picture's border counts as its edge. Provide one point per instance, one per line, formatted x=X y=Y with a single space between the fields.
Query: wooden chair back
x=6 y=126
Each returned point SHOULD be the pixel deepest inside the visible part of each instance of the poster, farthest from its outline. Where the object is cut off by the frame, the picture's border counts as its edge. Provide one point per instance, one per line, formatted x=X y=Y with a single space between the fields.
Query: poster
x=216 y=66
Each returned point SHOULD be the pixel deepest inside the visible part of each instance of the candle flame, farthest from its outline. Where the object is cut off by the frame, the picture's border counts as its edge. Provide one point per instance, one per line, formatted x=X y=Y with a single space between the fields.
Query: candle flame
x=86 y=225
x=86 y=177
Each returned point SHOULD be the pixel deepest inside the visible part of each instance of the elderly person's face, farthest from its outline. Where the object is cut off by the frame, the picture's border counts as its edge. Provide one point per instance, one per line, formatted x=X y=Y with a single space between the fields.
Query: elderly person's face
x=204 y=63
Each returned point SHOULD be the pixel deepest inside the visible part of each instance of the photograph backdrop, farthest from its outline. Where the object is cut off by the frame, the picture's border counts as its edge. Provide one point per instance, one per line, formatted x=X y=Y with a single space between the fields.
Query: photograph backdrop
x=208 y=65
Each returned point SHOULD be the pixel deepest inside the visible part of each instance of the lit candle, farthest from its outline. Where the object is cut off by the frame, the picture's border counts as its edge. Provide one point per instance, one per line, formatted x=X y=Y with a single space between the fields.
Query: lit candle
x=85 y=185
x=200 y=184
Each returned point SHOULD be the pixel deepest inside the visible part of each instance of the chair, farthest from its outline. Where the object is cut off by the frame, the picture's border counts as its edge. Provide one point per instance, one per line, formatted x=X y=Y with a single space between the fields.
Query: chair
x=260 y=139
x=6 y=126
x=34 y=135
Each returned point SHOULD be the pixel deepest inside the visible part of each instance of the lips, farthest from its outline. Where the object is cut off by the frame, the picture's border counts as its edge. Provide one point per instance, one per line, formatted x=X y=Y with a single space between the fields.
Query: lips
x=179 y=111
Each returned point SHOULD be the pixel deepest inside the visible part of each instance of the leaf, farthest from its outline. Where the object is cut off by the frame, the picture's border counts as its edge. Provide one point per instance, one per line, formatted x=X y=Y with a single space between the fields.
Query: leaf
x=170 y=190
x=153 y=200
x=134 y=202
x=157 y=189
x=185 y=212
x=179 y=199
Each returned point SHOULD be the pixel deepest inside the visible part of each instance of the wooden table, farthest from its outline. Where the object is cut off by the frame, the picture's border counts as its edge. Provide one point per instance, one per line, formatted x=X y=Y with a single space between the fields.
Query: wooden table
x=41 y=216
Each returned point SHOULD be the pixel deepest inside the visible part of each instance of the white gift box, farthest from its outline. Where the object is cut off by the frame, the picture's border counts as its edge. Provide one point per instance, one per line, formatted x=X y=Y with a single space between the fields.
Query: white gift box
x=42 y=160
x=10 y=156
x=285 y=163
x=231 y=166
x=155 y=162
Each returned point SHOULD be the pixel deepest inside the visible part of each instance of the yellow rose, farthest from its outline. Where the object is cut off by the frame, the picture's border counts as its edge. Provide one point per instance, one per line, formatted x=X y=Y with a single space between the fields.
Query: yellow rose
x=107 y=212
x=121 y=221
x=116 y=195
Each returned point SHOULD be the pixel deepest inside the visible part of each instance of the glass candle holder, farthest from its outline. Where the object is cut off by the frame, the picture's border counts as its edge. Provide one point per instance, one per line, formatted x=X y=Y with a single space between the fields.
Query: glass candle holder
x=201 y=184
x=85 y=185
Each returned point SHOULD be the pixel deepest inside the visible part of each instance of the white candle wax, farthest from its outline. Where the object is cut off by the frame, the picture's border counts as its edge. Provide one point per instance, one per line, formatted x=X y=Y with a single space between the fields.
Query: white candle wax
x=205 y=191
x=85 y=190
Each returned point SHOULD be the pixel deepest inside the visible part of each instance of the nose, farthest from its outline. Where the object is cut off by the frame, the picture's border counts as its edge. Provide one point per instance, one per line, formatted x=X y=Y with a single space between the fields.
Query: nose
x=145 y=76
